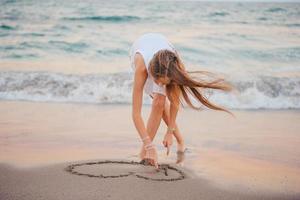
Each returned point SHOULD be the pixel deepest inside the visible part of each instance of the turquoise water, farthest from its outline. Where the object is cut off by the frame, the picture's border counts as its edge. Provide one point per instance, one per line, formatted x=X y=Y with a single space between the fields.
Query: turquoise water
x=256 y=44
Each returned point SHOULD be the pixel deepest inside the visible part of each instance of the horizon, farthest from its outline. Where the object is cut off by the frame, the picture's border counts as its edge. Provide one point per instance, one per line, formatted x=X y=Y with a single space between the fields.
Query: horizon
x=241 y=1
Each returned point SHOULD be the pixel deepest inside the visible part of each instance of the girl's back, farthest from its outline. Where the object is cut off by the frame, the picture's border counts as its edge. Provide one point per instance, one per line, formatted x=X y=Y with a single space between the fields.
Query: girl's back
x=148 y=44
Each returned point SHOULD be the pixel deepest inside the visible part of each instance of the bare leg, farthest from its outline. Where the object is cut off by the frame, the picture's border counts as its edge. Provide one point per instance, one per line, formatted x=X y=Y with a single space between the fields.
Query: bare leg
x=158 y=103
x=177 y=134
x=155 y=117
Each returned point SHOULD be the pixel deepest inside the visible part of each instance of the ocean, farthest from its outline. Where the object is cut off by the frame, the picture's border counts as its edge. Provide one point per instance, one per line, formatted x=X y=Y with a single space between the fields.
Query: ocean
x=78 y=51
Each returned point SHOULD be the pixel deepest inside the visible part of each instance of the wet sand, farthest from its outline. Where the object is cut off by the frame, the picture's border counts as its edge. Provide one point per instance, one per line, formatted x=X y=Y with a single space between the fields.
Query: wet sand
x=84 y=151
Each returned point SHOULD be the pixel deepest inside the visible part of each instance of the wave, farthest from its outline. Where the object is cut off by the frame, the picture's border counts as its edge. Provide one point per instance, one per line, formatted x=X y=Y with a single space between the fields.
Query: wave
x=117 y=51
x=9 y=1
x=284 y=54
x=293 y=25
x=215 y=14
x=21 y=56
x=276 y=10
x=76 y=47
x=34 y=34
x=113 y=18
x=262 y=18
x=261 y=92
x=7 y=27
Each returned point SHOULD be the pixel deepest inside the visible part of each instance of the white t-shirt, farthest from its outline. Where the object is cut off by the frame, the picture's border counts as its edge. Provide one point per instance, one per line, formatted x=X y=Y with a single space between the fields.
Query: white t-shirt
x=148 y=44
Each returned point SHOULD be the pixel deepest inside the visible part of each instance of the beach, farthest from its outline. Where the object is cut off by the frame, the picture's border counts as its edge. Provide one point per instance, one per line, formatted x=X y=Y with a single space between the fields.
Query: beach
x=252 y=156
x=66 y=85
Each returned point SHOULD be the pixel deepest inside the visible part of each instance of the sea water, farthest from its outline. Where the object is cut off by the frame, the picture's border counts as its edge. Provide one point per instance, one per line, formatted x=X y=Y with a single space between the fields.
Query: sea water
x=78 y=51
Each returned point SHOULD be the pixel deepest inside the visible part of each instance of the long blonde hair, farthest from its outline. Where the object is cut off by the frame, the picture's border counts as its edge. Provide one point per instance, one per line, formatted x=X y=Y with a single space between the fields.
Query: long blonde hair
x=167 y=63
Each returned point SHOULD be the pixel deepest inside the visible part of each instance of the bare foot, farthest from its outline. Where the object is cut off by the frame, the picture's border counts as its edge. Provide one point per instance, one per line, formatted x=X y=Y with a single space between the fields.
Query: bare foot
x=151 y=155
x=142 y=153
x=180 y=147
x=180 y=153
x=148 y=157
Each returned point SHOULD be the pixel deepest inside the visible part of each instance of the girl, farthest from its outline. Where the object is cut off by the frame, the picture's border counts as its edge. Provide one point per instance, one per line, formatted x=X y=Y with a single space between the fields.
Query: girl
x=160 y=72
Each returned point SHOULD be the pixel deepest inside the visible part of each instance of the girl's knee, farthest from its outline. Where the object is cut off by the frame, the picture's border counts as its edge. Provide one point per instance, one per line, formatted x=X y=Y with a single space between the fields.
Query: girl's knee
x=159 y=101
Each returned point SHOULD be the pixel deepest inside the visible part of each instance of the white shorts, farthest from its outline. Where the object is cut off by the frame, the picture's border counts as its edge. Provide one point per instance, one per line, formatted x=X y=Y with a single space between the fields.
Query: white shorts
x=150 y=86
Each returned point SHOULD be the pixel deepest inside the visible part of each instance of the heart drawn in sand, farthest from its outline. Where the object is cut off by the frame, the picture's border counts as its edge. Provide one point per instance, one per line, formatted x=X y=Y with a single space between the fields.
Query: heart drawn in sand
x=119 y=169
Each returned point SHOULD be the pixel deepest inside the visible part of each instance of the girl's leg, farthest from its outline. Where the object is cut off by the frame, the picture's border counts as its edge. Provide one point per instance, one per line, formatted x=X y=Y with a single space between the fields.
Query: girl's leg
x=158 y=104
x=177 y=134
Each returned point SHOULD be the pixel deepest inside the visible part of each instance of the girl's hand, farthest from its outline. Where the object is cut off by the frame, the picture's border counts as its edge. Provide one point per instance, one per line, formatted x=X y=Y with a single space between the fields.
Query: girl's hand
x=151 y=155
x=142 y=152
x=168 y=141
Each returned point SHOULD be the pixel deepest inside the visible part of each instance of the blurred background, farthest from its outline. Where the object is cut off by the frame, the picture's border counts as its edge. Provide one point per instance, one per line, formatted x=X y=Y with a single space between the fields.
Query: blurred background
x=78 y=51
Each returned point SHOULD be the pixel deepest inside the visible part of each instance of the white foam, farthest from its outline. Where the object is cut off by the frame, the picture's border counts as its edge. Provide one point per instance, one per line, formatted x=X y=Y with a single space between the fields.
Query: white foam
x=256 y=92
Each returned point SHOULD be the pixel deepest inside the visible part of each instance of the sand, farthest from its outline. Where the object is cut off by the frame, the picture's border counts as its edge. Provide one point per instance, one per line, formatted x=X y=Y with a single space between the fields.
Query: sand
x=81 y=151
x=53 y=182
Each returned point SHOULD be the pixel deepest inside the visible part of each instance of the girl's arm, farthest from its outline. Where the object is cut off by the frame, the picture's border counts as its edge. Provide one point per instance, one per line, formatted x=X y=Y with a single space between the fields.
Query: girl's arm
x=171 y=126
x=140 y=78
x=173 y=114
x=174 y=106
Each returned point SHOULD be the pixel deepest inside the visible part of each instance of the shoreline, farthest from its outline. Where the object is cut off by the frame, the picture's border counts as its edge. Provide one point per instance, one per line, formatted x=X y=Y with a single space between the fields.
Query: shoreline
x=149 y=105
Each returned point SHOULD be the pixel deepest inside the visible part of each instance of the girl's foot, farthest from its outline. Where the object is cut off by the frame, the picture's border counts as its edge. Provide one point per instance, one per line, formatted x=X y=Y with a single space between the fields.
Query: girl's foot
x=148 y=155
x=151 y=154
x=180 y=147
x=180 y=157
x=142 y=153
x=145 y=161
x=180 y=153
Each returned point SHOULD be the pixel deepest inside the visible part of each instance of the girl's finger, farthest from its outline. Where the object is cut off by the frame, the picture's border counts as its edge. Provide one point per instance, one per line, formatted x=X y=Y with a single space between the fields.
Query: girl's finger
x=168 y=149
x=151 y=162
x=164 y=143
x=156 y=165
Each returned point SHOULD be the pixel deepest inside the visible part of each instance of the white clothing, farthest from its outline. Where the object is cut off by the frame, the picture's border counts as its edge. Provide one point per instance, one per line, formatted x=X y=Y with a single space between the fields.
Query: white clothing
x=147 y=45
